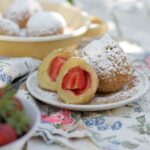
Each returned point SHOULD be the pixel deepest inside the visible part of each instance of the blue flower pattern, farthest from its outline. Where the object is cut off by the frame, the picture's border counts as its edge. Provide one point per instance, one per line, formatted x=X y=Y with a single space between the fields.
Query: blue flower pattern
x=116 y=126
x=101 y=125
x=90 y=122
x=100 y=120
x=4 y=77
x=138 y=109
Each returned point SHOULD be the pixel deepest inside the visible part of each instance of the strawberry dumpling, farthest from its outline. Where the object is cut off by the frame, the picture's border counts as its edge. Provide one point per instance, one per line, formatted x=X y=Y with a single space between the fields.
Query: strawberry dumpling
x=110 y=63
x=50 y=68
x=21 y=10
x=46 y=23
x=77 y=82
x=7 y=27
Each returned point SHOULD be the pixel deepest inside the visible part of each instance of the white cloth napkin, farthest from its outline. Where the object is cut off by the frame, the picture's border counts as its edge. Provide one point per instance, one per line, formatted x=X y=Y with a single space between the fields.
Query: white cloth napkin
x=125 y=128
x=13 y=68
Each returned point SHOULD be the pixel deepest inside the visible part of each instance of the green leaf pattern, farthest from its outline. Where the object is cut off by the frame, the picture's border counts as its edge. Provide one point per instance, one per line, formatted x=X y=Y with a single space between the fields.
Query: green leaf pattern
x=143 y=127
x=129 y=145
x=125 y=128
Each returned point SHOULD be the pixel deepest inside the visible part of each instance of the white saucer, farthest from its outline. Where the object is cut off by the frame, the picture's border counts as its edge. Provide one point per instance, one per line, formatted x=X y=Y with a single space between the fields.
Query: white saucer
x=130 y=93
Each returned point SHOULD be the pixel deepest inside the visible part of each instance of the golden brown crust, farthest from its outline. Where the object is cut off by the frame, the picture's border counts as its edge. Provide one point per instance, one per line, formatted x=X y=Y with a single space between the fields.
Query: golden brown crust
x=107 y=85
x=22 y=23
x=110 y=63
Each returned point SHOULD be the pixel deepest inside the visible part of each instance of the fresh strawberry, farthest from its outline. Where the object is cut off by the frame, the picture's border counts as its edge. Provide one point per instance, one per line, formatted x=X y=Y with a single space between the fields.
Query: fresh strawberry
x=55 y=67
x=7 y=134
x=1 y=92
x=87 y=85
x=74 y=79
x=88 y=80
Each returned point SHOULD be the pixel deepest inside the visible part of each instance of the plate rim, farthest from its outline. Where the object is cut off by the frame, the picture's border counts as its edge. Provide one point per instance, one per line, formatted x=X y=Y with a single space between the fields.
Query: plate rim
x=92 y=107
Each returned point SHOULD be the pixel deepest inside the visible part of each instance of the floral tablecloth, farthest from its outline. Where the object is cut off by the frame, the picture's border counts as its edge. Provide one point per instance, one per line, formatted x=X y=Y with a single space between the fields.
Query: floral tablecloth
x=124 y=128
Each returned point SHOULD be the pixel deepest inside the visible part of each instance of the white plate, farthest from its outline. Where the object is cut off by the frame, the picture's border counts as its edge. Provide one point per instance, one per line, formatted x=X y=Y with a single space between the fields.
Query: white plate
x=130 y=93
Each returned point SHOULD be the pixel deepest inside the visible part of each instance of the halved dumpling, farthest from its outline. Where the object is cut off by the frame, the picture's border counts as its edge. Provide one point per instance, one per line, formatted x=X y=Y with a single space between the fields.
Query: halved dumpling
x=77 y=81
x=50 y=67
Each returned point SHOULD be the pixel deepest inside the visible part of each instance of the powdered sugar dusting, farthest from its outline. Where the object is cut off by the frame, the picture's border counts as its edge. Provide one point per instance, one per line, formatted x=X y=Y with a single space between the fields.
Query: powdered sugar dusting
x=8 y=27
x=45 y=23
x=106 y=56
x=21 y=9
x=129 y=90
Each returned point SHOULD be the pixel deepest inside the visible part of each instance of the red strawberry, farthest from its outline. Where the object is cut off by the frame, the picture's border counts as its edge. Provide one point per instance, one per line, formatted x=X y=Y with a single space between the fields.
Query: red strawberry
x=7 y=134
x=74 y=79
x=88 y=80
x=1 y=92
x=87 y=85
x=55 y=67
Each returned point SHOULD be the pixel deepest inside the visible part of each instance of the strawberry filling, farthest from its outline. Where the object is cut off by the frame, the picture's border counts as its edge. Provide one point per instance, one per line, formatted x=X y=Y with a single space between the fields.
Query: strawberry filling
x=55 y=67
x=76 y=80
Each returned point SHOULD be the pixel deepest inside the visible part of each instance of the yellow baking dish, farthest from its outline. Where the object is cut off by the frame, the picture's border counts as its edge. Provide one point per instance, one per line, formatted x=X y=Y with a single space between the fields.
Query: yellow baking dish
x=38 y=47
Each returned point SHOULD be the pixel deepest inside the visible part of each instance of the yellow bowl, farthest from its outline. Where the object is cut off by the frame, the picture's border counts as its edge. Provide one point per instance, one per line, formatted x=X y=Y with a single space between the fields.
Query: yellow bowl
x=38 y=47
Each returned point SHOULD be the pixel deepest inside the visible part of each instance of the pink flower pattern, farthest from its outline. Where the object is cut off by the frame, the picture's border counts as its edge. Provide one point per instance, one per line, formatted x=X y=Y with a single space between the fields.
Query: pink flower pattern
x=148 y=61
x=139 y=66
x=62 y=117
